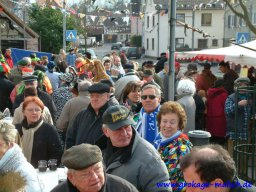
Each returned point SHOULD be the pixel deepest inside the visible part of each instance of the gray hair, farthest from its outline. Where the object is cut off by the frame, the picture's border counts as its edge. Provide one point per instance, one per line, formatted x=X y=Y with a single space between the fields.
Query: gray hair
x=151 y=86
x=8 y=132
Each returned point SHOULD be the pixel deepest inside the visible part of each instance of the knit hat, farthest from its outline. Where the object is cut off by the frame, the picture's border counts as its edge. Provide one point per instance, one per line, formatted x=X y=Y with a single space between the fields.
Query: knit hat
x=116 y=117
x=50 y=65
x=99 y=88
x=23 y=62
x=81 y=156
x=26 y=71
x=68 y=77
x=242 y=80
x=40 y=68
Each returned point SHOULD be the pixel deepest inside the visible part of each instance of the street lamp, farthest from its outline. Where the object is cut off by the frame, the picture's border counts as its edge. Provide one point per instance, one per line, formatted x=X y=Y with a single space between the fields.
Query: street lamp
x=64 y=25
x=172 y=21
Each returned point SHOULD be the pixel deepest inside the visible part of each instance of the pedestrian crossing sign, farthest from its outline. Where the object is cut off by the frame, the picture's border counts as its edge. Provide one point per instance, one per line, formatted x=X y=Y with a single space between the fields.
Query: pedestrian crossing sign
x=71 y=35
x=242 y=37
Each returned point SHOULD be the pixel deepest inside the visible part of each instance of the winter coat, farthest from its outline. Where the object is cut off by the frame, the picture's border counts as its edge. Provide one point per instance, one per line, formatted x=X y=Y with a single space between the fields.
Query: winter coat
x=112 y=184
x=6 y=88
x=188 y=103
x=86 y=127
x=71 y=109
x=139 y=163
x=46 y=144
x=14 y=161
x=215 y=116
x=205 y=80
x=229 y=79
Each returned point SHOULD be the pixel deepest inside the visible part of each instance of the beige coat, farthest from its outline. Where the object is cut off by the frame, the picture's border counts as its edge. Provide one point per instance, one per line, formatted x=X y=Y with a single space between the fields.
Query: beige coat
x=18 y=115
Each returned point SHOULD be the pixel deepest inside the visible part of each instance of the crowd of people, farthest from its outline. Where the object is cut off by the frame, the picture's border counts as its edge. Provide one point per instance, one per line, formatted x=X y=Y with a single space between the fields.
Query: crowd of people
x=110 y=122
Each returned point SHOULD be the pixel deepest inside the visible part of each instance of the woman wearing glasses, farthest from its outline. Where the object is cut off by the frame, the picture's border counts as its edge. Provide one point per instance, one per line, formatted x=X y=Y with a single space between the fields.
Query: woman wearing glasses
x=40 y=140
x=171 y=143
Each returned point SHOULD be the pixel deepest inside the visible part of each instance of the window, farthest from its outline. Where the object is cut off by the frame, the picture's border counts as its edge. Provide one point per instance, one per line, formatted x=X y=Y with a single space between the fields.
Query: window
x=215 y=42
x=202 y=43
x=147 y=44
x=254 y=18
x=206 y=19
x=179 y=42
x=153 y=43
x=180 y=17
x=121 y=37
x=231 y=21
x=147 y=21
x=153 y=21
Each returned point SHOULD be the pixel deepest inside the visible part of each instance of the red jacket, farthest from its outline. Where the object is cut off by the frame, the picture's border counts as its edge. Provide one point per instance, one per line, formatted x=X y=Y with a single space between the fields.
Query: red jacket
x=9 y=60
x=215 y=117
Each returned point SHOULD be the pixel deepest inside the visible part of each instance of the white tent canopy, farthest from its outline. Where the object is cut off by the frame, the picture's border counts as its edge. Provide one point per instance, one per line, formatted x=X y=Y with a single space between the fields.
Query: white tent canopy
x=237 y=54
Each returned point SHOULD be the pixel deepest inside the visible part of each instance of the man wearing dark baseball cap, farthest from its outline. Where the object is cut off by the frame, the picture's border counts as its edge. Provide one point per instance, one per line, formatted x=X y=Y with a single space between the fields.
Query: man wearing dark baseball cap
x=87 y=125
x=86 y=172
x=129 y=156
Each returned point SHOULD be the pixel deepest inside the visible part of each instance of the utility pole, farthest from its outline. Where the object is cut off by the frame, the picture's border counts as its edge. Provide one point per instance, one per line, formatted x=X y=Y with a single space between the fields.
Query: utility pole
x=24 y=27
x=193 y=25
x=64 y=25
x=172 y=22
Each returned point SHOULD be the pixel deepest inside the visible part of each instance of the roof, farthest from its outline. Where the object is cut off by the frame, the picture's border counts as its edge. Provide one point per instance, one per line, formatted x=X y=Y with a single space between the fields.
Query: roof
x=188 y=4
x=17 y=20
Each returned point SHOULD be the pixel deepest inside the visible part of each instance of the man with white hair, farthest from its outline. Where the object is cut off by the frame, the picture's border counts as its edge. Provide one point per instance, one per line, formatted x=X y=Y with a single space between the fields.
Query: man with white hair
x=74 y=105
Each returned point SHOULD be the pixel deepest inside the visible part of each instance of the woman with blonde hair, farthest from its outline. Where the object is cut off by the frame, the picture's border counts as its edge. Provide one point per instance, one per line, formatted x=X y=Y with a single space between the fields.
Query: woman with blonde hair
x=13 y=163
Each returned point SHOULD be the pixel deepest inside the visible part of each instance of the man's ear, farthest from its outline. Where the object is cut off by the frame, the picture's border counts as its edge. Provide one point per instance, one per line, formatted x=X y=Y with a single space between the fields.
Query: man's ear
x=105 y=131
x=71 y=177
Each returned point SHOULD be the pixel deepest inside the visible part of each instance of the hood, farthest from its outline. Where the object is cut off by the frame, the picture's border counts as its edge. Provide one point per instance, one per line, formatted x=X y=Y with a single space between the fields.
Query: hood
x=215 y=91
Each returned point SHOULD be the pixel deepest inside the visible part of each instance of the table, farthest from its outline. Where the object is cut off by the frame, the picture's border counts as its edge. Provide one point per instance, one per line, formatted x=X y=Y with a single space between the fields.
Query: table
x=49 y=179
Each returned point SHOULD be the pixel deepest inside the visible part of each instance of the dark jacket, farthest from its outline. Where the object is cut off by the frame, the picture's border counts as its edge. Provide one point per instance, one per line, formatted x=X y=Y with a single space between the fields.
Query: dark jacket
x=45 y=97
x=112 y=184
x=229 y=79
x=46 y=144
x=6 y=88
x=245 y=187
x=86 y=127
x=139 y=163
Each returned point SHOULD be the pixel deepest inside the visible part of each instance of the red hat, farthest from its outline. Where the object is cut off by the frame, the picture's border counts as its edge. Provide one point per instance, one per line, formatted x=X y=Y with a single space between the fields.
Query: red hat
x=177 y=64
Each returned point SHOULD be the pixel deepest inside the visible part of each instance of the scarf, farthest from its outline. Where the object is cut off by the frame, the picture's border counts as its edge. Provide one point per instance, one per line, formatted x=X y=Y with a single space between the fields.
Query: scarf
x=27 y=139
x=147 y=126
x=161 y=140
x=11 y=160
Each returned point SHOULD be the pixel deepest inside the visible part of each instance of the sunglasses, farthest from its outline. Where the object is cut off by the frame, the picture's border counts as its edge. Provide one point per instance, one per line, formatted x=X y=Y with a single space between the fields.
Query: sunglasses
x=144 y=97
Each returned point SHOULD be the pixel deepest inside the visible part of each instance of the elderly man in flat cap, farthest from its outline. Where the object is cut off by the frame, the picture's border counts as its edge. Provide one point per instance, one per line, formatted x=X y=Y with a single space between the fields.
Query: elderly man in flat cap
x=129 y=156
x=86 y=172
x=87 y=126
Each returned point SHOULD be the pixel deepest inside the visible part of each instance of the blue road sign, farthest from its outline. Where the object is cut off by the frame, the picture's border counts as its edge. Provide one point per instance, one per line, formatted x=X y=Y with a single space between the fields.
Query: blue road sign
x=242 y=37
x=71 y=35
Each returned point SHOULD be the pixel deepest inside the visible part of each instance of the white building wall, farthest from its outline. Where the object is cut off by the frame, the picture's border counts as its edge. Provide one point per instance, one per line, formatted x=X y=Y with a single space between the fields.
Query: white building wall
x=216 y=29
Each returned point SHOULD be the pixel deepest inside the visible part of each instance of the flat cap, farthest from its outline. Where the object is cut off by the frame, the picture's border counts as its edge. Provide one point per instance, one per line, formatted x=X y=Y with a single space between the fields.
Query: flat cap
x=147 y=73
x=81 y=156
x=29 y=78
x=99 y=88
x=116 y=117
x=242 y=80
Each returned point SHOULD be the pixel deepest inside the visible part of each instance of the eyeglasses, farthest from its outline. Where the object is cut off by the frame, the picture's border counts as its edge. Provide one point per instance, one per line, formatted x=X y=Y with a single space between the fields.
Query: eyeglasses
x=37 y=110
x=144 y=97
x=89 y=174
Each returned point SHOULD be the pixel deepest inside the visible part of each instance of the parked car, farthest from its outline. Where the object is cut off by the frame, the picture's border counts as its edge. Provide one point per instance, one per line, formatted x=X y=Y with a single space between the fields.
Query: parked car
x=116 y=46
x=91 y=51
x=133 y=52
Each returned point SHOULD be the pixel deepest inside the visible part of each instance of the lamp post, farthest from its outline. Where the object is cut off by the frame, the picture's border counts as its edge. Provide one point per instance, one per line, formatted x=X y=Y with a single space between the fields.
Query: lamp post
x=64 y=25
x=172 y=21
